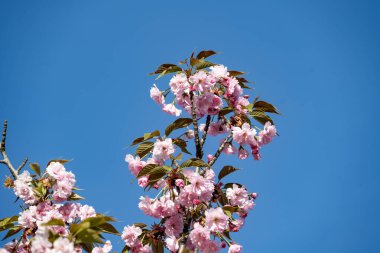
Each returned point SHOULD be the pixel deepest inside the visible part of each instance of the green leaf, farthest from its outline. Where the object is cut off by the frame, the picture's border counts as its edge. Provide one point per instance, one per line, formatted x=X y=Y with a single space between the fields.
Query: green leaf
x=8 y=220
x=88 y=247
x=61 y=161
x=77 y=228
x=194 y=162
x=74 y=197
x=144 y=148
x=54 y=222
x=226 y=110
x=125 y=249
x=205 y=54
x=12 y=231
x=166 y=69
x=140 y=225
x=265 y=107
x=146 y=136
x=177 y=124
x=261 y=117
x=235 y=73
x=204 y=64
x=182 y=145
x=232 y=209
x=226 y=171
x=193 y=61
x=36 y=168
x=89 y=236
x=108 y=228
x=159 y=172
x=146 y=170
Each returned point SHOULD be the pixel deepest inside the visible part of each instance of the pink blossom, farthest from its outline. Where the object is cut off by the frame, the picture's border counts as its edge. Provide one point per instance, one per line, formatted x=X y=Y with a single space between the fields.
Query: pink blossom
x=216 y=219
x=27 y=219
x=266 y=135
x=171 y=109
x=56 y=170
x=241 y=104
x=63 y=245
x=243 y=154
x=199 y=235
x=156 y=95
x=134 y=164
x=69 y=211
x=237 y=195
x=209 y=157
x=107 y=247
x=229 y=149
x=23 y=188
x=190 y=134
x=219 y=71
x=202 y=81
x=244 y=135
x=179 y=183
x=235 y=248
x=211 y=247
x=215 y=128
x=174 y=225
x=179 y=84
x=130 y=235
x=143 y=181
x=171 y=243
x=208 y=103
x=86 y=211
x=163 y=149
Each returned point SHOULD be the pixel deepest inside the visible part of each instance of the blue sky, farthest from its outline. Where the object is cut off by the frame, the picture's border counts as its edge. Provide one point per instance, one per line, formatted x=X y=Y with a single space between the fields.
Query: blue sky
x=74 y=84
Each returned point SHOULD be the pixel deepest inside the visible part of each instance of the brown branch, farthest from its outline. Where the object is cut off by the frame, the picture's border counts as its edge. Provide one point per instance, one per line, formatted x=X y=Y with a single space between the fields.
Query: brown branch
x=208 y=120
x=220 y=149
x=6 y=160
x=198 y=148
x=22 y=165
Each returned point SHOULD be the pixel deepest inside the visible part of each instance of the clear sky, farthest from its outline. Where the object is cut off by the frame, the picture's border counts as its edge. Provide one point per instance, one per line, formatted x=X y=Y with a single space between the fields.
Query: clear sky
x=74 y=84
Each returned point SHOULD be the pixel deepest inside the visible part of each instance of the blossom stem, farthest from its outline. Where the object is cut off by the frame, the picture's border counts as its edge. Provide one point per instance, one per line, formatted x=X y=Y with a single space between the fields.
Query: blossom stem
x=220 y=149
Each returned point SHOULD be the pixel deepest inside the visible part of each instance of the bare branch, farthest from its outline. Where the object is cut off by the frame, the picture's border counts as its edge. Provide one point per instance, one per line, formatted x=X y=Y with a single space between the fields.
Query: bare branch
x=6 y=160
x=208 y=120
x=198 y=147
x=220 y=149
x=22 y=165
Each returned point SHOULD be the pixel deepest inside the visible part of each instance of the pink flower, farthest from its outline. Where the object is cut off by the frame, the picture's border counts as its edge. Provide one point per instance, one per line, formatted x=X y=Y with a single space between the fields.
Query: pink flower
x=237 y=195
x=107 y=247
x=134 y=164
x=216 y=220
x=156 y=95
x=244 y=135
x=190 y=134
x=215 y=128
x=229 y=149
x=174 y=225
x=179 y=84
x=130 y=235
x=56 y=170
x=266 y=135
x=171 y=109
x=243 y=154
x=27 y=219
x=179 y=183
x=23 y=188
x=86 y=211
x=63 y=245
x=69 y=211
x=201 y=81
x=211 y=247
x=219 y=71
x=163 y=149
x=143 y=181
x=171 y=243
x=235 y=248
x=199 y=235
x=208 y=103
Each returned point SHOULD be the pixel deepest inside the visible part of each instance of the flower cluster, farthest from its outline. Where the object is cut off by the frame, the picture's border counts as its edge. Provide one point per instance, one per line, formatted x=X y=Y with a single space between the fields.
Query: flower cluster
x=196 y=211
x=50 y=218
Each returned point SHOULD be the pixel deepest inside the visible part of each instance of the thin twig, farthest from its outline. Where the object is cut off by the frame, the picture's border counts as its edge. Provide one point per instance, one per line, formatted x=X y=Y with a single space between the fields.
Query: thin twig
x=6 y=160
x=220 y=149
x=205 y=130
x=22 y=165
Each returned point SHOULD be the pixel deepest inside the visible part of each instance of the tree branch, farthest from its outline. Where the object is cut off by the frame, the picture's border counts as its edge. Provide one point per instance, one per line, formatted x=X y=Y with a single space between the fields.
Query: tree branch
x=208 y=120
x=6 y=160
x=198 y=148
x=220 y=149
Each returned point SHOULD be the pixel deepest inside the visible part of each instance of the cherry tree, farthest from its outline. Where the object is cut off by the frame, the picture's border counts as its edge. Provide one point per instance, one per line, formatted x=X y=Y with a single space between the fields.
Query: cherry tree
x=195 y=209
